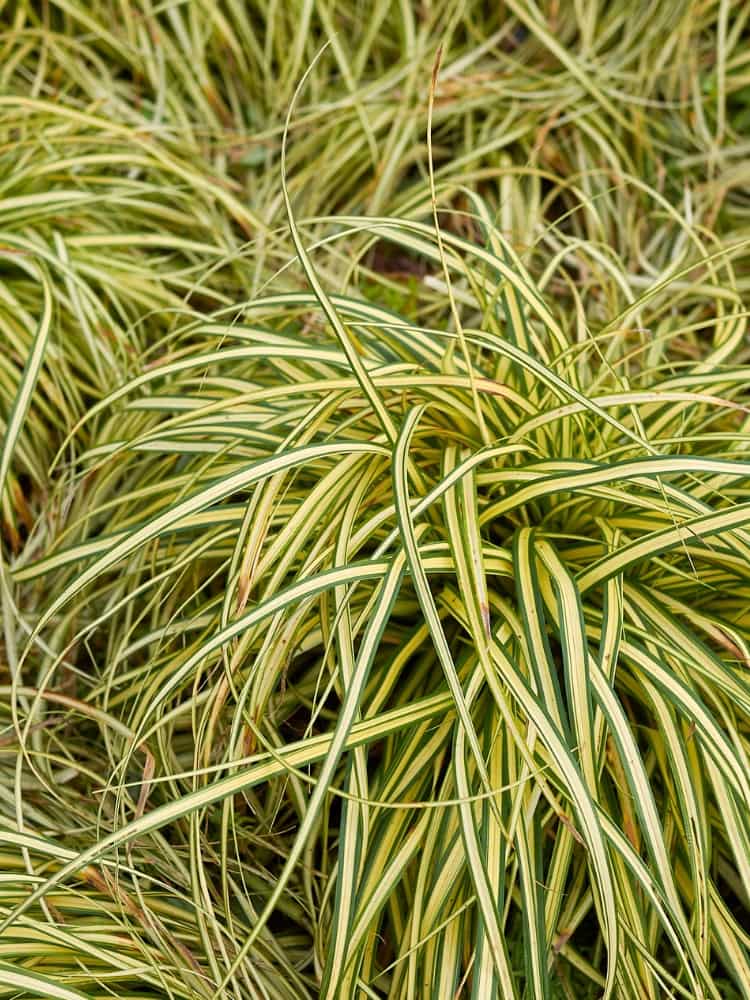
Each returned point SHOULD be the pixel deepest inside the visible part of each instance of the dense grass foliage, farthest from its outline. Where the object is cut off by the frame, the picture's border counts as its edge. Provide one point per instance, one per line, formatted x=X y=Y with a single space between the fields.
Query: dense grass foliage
x=375 y=561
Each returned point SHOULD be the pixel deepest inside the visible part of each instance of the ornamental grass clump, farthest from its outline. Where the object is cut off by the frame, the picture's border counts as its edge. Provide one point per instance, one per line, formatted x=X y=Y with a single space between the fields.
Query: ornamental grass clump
x=417 y=653
x=375 y=584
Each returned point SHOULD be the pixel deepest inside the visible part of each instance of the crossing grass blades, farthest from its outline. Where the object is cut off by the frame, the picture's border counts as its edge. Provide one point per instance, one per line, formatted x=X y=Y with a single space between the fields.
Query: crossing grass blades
x=375 y=593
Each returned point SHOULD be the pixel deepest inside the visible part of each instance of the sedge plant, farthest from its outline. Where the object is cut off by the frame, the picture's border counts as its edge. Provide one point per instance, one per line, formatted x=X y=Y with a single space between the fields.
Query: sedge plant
x=375 y=562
